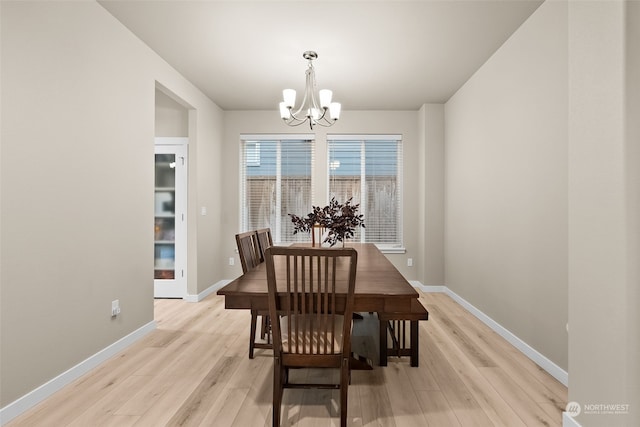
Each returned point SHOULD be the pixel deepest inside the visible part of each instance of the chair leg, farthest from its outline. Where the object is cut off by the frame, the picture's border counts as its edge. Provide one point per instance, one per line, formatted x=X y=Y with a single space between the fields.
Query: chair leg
x=252 y=336
x=263 y=326
x=265 y=329
x=278 y=375
x=344 y=389
x=268 y=330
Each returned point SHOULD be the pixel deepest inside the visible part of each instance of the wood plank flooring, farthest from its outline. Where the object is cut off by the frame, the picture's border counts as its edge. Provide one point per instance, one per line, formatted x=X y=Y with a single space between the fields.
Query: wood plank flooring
x=194 y=370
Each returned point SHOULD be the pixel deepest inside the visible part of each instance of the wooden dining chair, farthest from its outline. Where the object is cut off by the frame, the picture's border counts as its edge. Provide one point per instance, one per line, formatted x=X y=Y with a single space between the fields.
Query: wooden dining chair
x=249 y=251
x=311 y=293
x=264 y=241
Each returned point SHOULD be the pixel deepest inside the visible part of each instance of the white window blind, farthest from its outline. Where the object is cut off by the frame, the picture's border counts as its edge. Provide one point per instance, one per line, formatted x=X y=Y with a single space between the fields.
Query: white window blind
x=276 y=181
x=368 y=168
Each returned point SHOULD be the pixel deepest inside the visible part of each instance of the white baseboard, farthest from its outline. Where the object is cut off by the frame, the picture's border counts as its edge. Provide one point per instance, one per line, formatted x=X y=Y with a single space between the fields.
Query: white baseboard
x=568 y=421
x=36 y=396
x=546 y=364
x=211 y=289
x=428 y=289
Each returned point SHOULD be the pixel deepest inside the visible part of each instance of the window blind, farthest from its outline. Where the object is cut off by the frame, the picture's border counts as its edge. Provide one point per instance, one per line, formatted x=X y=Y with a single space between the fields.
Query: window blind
x=368 y=168
x=276 y=181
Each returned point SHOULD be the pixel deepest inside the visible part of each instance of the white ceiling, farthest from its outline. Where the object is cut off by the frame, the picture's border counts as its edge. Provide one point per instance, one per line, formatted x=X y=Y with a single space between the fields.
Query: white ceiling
x=374 y=55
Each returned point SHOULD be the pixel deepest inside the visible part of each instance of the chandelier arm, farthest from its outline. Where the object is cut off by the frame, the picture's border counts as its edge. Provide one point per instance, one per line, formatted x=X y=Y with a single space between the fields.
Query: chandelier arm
x=297 y=122
x=324 y=113
x=302 y=105
x=326 y=122
x=294 y=115
x=305 y=98
x=294 y=119
x=319 y=120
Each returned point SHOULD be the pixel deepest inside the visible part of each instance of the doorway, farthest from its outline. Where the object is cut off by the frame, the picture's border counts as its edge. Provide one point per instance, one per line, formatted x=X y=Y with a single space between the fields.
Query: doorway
x=170 y=216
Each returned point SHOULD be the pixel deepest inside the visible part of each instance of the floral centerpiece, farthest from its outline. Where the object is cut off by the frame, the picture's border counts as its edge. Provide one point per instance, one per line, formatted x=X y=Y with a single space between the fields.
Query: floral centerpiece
x=340 y=220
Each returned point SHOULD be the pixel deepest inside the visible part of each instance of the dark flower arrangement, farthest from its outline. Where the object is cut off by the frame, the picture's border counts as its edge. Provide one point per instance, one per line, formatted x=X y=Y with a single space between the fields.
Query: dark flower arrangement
x=340 y=219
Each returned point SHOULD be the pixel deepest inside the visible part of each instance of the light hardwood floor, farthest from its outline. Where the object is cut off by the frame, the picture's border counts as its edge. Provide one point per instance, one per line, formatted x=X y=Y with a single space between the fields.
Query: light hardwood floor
x=194 y=370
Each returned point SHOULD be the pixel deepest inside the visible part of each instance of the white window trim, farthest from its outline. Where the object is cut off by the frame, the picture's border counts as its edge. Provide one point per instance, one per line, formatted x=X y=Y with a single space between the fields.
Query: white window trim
x=360 y=137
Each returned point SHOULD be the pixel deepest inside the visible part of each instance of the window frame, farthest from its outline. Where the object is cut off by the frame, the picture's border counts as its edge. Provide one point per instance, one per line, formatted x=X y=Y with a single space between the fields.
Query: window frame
x=397 y=247
x=258 y=139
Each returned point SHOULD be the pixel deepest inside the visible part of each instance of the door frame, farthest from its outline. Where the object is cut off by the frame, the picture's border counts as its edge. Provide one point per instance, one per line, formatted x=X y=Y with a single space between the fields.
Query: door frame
x=177 y=287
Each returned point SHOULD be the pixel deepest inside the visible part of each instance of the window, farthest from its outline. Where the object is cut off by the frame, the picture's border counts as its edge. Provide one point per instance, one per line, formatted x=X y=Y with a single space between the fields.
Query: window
x=369 y=169
x=276 y=181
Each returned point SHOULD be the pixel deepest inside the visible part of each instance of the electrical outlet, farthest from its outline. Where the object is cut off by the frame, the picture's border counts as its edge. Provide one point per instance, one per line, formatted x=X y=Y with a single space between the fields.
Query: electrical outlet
x=115 y=307
x=232 y=261
x=409 y=262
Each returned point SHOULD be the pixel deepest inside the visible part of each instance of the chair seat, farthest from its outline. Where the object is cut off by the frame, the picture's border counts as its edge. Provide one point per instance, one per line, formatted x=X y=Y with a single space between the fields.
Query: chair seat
x=313 y=342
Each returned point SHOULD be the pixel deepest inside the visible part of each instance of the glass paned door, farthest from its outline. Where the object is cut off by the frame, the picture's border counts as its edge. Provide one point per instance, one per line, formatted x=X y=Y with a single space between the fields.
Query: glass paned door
x=165 y=217
x=170 y=221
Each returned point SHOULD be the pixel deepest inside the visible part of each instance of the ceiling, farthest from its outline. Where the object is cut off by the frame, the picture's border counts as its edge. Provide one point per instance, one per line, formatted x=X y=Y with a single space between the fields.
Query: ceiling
x=374 y=55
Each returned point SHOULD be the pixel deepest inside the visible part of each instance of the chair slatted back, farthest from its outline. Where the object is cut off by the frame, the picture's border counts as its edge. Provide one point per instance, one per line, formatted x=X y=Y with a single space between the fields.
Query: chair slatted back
x=265 y=241
x=248 y=250
x=311 y=290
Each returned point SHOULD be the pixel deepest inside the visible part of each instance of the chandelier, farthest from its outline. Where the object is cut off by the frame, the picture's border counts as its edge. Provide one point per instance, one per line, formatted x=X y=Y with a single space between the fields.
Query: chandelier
x=316 y=109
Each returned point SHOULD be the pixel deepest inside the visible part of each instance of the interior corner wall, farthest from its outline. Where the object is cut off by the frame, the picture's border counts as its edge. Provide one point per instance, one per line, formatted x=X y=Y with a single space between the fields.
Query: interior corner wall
x=506 y=185
x=604 y=358
x=633 y=207
x=431 y=221
x=632 y=143
x=77 y=179
x=206 y=260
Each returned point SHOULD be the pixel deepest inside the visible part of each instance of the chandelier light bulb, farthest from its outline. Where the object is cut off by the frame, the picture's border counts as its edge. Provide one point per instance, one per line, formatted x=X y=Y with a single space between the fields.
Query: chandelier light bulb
x=289 y=96
x=334 y=110
x=325 y=98
x=285 y=112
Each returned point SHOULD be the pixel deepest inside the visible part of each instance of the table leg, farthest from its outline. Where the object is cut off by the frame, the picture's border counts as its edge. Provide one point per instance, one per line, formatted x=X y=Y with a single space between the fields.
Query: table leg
x=383 y=343
x=252 y=338
x=414 y=343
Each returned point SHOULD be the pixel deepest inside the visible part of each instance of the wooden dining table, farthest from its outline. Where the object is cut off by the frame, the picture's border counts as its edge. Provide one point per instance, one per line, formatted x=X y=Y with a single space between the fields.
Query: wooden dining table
x=380 y=288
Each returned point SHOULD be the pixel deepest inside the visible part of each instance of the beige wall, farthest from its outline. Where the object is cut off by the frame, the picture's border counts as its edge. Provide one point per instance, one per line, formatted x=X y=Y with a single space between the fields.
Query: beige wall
x=604 y=326
x=172 y=119
x=78 y=95
x=205 y=254
x=391 y=122
x=506 y=185
x=632 y=163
